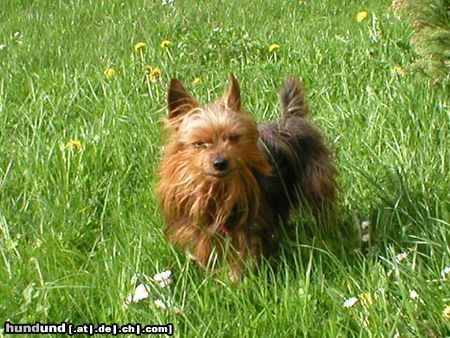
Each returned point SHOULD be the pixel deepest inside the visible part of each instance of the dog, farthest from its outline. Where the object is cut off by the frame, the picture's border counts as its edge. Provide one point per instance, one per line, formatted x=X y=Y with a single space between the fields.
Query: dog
x=226 y=184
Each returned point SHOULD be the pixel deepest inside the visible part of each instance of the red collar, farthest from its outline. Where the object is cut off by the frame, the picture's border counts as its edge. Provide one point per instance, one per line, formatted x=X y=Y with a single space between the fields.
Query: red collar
x=224 y=229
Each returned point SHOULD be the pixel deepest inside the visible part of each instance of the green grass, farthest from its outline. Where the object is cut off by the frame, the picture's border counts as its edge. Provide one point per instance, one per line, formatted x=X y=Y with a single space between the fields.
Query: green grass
x=75 y=226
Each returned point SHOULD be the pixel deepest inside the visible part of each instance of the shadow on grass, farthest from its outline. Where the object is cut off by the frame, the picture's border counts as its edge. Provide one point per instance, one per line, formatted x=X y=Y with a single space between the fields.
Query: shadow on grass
x=403 y=217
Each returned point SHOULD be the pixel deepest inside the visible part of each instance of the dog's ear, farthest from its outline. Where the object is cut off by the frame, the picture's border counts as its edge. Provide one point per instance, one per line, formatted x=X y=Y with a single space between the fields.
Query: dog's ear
x=232 y=98
x=178 y=99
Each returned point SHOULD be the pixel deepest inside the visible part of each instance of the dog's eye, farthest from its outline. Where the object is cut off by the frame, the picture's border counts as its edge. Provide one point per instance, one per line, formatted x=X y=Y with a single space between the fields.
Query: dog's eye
x=199 y=144
x=233 y=138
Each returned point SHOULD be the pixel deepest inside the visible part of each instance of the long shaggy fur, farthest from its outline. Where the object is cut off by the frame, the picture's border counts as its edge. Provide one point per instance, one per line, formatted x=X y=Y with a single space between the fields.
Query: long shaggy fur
x=225 y=181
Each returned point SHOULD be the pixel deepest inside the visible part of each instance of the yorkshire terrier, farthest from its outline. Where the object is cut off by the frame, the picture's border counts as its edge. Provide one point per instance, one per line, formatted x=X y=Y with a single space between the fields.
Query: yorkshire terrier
x=226 y=183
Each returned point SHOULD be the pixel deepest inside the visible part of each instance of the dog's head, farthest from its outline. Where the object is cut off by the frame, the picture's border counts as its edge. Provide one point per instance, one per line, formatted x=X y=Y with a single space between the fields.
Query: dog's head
x=216 y=141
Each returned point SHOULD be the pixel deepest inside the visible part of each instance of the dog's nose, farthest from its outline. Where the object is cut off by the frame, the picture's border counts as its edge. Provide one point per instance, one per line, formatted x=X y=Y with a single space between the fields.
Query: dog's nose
x=220 y=163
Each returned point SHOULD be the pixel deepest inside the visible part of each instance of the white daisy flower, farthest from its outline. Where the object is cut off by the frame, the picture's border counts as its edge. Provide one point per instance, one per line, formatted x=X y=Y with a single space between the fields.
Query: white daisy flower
x=140 y=293
x=365 y=238
x=401 y=257
x=350 y=302
x=160 y=304
x=166 y=306
x=445 y=272
x=365 y=225
x=414 y=295
x=163 y=278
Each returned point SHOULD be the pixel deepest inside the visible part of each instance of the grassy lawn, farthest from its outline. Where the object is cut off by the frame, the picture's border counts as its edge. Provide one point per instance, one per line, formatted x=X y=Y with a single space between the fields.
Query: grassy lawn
x=79 y=150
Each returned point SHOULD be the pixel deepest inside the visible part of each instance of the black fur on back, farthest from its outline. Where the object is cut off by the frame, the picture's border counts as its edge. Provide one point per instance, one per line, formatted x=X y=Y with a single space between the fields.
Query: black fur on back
x=300 y=159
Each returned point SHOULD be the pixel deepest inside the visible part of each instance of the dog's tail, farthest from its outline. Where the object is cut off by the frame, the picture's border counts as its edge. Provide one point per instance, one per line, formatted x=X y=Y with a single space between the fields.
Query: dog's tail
x=293 y=97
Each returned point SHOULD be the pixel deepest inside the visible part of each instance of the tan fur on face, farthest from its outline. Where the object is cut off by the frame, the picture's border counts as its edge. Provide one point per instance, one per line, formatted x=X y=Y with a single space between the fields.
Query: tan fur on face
x=196 y=204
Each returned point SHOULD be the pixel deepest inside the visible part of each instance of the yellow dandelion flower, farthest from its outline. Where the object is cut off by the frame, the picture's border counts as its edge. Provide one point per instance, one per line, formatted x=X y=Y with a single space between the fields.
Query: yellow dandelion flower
x=74 y=145
x=361 y=16
x=366 y=298
x=274 y=47
x=446 y=312
x=154 y=74
x=398 y=70
x=197 y=80
x=148 y=69
x=138 y=46
x=109 y=73
x=165 y=43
